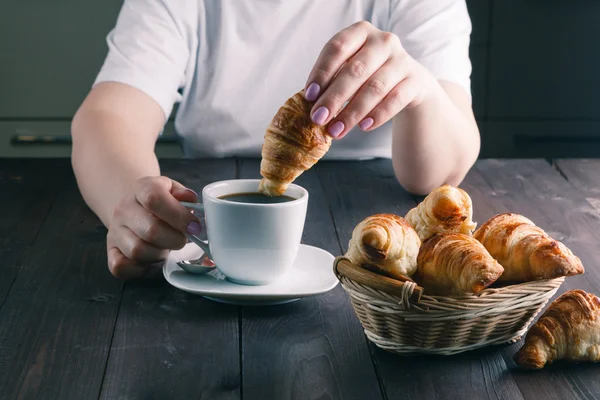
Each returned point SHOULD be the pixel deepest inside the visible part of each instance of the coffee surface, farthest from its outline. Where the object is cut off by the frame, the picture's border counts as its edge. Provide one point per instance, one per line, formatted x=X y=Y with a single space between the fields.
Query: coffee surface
x=256 y=198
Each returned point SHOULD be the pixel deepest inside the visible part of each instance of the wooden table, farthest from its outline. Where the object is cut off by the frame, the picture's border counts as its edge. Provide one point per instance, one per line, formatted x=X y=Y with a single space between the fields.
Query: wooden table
x=70 y=330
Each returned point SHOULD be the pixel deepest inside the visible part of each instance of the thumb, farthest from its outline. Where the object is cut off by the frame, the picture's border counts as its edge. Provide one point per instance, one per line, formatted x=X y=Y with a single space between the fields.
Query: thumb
x=182 y=193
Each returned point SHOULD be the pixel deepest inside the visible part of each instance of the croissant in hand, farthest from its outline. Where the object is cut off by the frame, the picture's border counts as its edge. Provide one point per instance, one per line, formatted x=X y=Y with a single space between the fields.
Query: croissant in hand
x=444 y=210
x=454 y=264
x=385 y=243
x=292 y=145
x=569 y=330
x=525 y=251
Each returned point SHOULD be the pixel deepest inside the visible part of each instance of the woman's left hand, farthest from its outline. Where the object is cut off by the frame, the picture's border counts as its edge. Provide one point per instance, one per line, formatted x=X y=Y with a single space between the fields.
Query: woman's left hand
x=376 y=75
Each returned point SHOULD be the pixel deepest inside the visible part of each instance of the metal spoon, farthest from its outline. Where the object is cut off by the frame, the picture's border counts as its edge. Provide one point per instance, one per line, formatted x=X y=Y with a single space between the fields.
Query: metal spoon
x=195 y=266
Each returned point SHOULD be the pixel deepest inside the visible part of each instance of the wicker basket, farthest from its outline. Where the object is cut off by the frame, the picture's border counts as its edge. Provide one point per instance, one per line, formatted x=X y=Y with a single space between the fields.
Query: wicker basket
x=399 y=317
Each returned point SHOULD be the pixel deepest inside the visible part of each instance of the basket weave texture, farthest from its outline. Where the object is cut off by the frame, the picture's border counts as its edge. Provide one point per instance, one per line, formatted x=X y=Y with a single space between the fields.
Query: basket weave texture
x=402 y=323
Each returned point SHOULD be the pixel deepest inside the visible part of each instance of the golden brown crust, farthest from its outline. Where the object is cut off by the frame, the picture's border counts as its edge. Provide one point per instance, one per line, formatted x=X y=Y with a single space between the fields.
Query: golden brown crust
x=455 y=264
x=568 y=330
x=385 y=243
x=446 y=209
x=525 y=251
x=292 y=145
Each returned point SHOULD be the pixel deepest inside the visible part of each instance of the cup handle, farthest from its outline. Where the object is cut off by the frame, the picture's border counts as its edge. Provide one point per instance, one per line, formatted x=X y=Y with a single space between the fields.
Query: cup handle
x=203 y=245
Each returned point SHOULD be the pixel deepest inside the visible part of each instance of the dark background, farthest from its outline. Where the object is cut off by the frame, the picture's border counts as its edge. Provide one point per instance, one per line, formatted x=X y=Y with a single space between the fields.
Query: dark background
x=535 y=73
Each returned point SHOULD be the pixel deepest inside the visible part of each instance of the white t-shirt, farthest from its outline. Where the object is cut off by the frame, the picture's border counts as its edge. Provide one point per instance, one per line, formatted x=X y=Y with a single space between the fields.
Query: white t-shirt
x=232 y=63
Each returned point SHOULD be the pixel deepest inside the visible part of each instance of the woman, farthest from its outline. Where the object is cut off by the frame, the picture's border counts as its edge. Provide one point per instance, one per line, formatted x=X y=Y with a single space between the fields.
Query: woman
x=402 y=67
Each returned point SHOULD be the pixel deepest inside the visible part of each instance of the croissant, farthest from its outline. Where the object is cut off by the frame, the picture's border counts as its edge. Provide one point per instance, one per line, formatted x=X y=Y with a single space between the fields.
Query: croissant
x=569 y=330
x=525 y=251
x=454 y=264
x=292 y=145
x=385 y=243
x=444 y=210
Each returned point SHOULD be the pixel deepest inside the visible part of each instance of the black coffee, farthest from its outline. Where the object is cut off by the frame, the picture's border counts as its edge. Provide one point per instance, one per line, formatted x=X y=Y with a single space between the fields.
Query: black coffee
x=256 y=198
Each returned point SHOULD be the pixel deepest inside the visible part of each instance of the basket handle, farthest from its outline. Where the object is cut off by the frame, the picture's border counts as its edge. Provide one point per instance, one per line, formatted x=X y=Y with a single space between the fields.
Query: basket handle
x=343 y=266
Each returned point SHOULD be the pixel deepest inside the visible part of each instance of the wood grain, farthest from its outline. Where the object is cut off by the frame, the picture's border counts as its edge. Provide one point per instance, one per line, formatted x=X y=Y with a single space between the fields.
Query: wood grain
x=58 y=318
x=61 y=306
x=26 y=195
x=313 y=348
x=536 y=190
x=584 y=174
x=171 y=344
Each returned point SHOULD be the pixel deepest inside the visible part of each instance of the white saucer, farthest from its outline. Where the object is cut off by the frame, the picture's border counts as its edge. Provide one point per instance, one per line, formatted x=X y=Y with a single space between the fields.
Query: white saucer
x=311 y=274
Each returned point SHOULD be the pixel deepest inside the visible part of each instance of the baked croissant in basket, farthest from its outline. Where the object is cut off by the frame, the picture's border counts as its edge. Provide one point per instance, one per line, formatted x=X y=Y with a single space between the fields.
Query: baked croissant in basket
x=525 y=251
x=385 y=243
x=292 y=145
x=446 y=209
x=569 y=330
x=455 y=264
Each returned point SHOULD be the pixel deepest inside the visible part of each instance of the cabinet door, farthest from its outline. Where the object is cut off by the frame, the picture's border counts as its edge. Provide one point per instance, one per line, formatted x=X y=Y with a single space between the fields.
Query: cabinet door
x=51 y=52
x=545 y=60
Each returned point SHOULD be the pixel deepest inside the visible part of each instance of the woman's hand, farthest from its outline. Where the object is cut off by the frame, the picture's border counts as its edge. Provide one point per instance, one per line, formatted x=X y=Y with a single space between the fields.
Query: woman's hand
x=146 y=224
x=376 y=75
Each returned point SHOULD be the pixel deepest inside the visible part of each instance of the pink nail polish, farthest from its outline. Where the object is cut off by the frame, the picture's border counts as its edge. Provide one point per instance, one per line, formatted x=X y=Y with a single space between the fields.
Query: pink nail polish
x=312 y=92
x=320 y=115
x=194 y=228
x=366 y=123
x=335 y=129
x=191 y=191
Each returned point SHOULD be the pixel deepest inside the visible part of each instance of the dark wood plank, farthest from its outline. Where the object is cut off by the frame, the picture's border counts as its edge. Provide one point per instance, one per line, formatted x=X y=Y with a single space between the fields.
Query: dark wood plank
x=26 y=194
x=58 y=318
x=583 y=174
x=171 y=344
x=27 y=191
x=355 y=191
x=313 y=348
x=536 y=190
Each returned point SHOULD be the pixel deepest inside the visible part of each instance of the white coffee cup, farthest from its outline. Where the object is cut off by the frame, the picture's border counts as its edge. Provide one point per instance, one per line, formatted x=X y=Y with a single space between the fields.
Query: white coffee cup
x=251 y=243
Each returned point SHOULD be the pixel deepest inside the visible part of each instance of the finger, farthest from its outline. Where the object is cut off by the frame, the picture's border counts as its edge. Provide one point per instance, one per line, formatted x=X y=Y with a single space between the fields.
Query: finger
x=370 y=94
x=401 y=96
x=135 y=248
x=152 y=230
x=334 y=54
x=123 y=268
x=183 y=193
x=154 y=194
x=347 y=82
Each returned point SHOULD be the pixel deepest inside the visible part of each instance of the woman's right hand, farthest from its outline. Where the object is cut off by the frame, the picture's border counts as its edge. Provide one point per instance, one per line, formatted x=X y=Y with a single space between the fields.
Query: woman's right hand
x=147 y=224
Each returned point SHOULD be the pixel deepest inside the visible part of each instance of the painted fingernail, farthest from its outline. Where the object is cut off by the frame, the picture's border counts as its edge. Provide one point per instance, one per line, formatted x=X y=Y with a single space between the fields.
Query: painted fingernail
x=335 y=129
x=366 y=123
x=312 y=92
x=320 y=115
x=186 y=190
x=194 y=228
